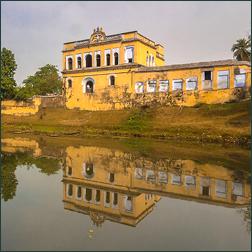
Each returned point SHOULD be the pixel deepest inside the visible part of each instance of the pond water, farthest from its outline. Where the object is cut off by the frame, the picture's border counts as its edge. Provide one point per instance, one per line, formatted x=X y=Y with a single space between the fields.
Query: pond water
x=99 y=194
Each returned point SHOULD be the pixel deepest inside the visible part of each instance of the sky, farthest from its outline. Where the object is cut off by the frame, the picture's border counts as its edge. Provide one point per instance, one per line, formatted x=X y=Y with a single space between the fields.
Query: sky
x=189 y=31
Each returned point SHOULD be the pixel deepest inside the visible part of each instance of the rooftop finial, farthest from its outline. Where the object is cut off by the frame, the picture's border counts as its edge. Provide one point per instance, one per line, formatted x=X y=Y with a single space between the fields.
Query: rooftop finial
x=97 y=35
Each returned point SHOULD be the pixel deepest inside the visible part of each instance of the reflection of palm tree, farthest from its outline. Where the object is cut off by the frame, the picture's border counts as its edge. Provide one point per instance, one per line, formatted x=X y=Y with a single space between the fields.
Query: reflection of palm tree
x=242 y=49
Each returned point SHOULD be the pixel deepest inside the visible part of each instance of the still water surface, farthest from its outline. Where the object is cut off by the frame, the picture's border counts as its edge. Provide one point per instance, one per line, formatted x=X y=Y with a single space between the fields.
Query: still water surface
x=97 y=194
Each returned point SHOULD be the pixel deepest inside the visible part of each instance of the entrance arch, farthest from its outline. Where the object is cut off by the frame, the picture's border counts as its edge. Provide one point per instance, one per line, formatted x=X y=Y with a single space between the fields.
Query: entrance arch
x=88 y=85
x=88 y=170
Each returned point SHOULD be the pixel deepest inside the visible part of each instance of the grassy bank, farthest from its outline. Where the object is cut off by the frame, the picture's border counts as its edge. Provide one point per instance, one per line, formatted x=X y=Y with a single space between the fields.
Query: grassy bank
x=226 y=123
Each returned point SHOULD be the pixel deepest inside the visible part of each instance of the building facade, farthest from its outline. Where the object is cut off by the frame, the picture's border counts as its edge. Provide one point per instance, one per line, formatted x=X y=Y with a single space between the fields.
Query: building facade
x=121 y=70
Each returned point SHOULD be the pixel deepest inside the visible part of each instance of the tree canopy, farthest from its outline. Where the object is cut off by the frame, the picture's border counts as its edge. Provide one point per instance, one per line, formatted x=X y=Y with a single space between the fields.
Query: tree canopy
x=8 y=68
x=242 y=49
x=45 y=81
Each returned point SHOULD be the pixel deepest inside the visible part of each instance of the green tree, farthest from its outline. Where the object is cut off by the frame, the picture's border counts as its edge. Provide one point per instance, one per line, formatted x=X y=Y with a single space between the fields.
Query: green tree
x=8 y=68
x=45 y=81
x=242 y=49
x=23 y=93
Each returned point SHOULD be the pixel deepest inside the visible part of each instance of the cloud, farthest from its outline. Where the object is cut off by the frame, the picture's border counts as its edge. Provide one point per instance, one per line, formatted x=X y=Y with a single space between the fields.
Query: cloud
x=190 y=31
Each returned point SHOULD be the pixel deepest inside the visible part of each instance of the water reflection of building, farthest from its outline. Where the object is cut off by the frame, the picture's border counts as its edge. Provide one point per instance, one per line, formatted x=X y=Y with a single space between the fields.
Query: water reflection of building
x=104 y=203
x=122 y=187
x=102 y=191
x=113 y=185
x=203 y=185
x=12 y=145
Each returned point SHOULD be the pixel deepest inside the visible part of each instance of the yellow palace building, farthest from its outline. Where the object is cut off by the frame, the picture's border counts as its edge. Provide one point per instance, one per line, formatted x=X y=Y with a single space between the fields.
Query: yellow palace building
x=121 y=70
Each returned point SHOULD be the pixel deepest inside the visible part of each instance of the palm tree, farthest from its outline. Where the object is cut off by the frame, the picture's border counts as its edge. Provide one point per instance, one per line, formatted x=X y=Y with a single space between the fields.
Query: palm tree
x=242 y=49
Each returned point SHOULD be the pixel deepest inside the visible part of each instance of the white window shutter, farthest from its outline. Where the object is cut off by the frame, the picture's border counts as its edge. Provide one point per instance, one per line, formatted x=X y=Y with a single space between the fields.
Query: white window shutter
x=203 y=76
x=125 y=55
x=128 y=54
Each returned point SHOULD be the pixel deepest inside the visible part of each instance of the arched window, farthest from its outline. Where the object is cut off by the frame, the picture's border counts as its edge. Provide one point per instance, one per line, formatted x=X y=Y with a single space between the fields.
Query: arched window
x=98 y=196
x=111 y=177
x=147 y=60
x=89 y=170
x=69 y=82
x=78 y=62
x=107 y=197
x=70 y=63
x=116 y=58
x=112 y=80
x=89 y=60
x=98 y=60
x=69 y=170
x=79 y=192
x=115 y=200
x=153 y=62
x=108 y=59
x=88 y=195
x=128 y=203
x=70 y=190
x=89 y=87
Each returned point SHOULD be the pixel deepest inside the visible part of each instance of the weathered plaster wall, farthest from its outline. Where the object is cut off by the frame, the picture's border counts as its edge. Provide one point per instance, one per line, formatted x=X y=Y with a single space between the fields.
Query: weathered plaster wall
x=31 y=107
x=21 y=108
x=55 y=101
